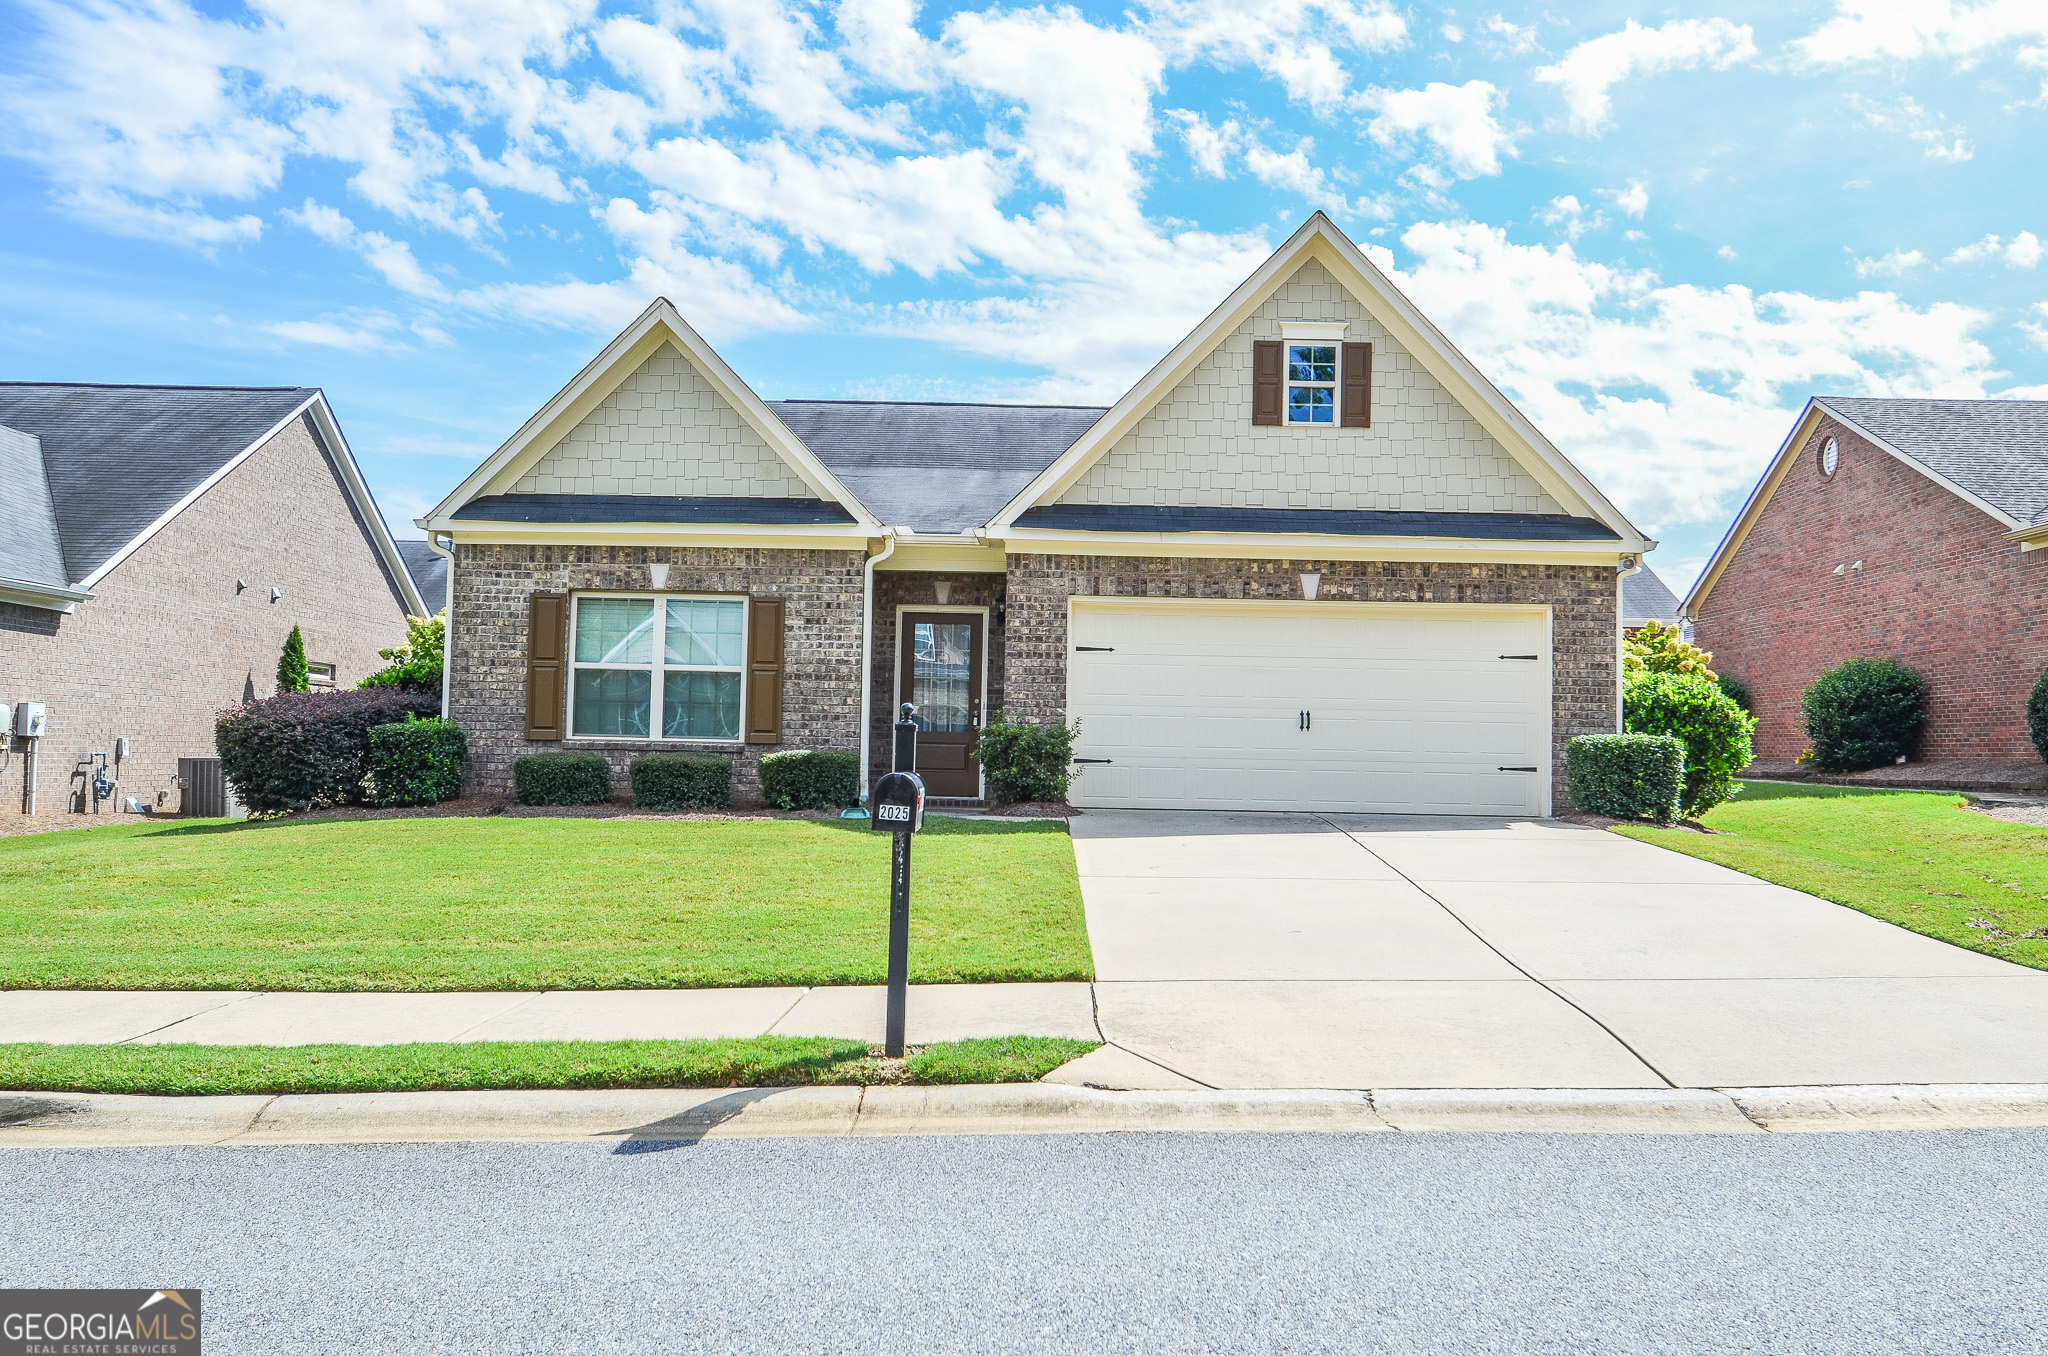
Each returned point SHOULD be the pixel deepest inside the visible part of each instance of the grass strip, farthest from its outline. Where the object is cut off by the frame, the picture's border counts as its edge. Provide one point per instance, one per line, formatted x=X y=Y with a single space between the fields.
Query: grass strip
x=504 y=903
x=1925 y=862
x=762 y=1061
x=998 y=1059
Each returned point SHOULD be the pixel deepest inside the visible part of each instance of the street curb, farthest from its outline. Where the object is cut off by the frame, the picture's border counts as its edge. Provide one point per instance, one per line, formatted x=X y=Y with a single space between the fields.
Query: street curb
x=626 y=1117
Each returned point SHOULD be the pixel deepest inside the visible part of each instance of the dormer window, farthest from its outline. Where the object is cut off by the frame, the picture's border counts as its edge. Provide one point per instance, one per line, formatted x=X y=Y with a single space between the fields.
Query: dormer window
x=1311 y=383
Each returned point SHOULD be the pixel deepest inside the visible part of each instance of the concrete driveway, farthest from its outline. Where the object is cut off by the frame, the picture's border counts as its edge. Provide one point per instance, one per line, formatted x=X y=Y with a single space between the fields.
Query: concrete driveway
x=1299 y=951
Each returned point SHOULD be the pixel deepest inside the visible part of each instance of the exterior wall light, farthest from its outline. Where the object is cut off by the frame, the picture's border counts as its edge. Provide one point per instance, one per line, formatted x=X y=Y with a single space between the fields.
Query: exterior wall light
x=275 y=593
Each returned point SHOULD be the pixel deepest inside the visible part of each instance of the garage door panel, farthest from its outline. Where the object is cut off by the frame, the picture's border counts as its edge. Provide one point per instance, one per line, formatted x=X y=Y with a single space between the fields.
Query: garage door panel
x=1198 y=705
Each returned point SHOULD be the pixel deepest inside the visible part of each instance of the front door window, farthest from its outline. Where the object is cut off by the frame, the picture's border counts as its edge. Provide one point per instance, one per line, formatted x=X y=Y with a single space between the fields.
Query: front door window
x=942 y=665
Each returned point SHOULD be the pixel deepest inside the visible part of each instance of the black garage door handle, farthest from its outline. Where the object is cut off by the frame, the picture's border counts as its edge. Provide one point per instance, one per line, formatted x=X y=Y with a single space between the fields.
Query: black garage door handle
x=1516 y=769
x=1092 y=760
x=1102 y=649
x=1521 y=656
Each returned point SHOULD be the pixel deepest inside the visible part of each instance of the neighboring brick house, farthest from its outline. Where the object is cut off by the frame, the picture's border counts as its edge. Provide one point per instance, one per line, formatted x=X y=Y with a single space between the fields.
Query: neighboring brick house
x=1892 y=529
x=1312 y=560
x=163 y=542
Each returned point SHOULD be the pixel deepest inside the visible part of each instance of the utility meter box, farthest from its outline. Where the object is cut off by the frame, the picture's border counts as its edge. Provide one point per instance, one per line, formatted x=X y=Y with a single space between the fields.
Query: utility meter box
x=30 y=719
x=898 y=803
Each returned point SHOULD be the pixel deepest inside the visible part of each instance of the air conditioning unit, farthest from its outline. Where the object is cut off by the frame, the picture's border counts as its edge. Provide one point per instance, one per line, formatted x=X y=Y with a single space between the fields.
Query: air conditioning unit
x=31 y=719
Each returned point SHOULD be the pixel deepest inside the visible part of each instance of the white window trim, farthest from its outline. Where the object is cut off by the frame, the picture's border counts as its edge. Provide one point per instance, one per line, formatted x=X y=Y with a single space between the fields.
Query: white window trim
x=321 y=675
x=1325 y=331
x=656 y=666
x=1288 y=385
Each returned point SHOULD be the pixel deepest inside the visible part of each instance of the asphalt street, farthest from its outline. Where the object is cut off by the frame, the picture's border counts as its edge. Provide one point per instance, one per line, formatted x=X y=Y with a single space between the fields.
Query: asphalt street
x=1925 y=1242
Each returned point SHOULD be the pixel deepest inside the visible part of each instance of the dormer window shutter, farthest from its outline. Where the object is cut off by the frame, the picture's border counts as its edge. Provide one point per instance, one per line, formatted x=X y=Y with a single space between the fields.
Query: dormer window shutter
x=764 y=671
x=547 y=633
x=1267 y=383
x=1356 y=397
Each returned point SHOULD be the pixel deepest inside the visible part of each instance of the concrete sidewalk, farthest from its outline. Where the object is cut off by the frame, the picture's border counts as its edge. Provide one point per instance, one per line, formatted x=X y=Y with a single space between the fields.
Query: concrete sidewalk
x=935 y=1012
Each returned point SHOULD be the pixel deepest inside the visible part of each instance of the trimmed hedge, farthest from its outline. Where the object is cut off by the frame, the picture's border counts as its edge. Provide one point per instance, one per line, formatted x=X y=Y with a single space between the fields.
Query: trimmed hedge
x=416 y=762
x=1629 y=776
x=681 y=781
x=1023 y=761
x=561 y=779
x=1718 y=735
x=299 y=750
x=1863 y=714
x=810 y=779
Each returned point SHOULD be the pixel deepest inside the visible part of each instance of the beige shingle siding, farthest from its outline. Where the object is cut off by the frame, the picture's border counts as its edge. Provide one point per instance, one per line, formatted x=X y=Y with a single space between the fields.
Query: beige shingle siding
x=664 y=431
x=1198 y=447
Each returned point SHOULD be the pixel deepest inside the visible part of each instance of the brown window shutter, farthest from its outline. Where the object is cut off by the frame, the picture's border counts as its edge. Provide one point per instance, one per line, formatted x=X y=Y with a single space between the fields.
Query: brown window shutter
x=1267 y=357
x=764 y=671
x=547 y=634
x=1356 y=397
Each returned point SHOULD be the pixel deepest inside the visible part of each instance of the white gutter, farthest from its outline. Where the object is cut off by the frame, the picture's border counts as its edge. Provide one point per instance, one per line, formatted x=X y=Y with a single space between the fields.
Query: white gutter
x=1620 y=643
x=447 y=615
x=867 y=654
x=49 y=597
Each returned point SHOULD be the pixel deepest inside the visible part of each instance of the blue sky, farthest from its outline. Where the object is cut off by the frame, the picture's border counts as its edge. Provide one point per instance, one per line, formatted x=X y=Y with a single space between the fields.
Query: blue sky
x=1658 y=229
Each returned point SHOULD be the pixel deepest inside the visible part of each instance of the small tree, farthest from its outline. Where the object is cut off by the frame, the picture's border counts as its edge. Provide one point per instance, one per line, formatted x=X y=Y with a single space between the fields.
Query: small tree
x=292 y=674
x=416 y=665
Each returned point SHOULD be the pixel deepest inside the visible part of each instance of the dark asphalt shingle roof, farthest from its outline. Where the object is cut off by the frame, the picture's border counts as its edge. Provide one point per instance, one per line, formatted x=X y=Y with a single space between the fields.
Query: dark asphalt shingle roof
x=649 y=508
x=1334 y=522
x=1645 y=597
x=29 y=545
x=429 y=571
x=934 y=467
x=118 y=457
x=1995 y=449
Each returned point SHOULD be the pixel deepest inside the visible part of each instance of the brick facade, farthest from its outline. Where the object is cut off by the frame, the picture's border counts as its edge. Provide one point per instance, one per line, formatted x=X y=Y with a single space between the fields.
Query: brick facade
x=906 y=588
x=167 y=641
x=1940 y=590
x=488 y=646
x=1584 y=602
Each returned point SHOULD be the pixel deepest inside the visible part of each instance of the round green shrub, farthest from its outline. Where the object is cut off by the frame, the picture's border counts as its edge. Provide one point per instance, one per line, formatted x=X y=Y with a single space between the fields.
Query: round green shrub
x=1026 y=762
x=1629 y=776
x=1863 y=714
x=810 y=779
x=561 y=779
x=1737 y=690
x=2037 y=716
x=680 y=781
x=1691 y=707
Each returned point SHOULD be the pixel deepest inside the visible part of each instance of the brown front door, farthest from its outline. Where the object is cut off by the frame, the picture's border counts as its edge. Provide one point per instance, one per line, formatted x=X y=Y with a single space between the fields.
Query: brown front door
x=941 y=675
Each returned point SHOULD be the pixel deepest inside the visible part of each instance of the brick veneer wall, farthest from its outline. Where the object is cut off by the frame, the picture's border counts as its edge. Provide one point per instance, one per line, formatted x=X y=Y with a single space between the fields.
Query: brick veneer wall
x=166 y=642
x=1584 y=602
x=1939 y=590
x=907 y=588
x=487 y=646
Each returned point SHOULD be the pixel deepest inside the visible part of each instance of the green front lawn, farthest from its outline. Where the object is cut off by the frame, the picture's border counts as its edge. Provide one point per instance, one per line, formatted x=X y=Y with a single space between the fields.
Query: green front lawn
x=760 y=1061
x=1921 y=861
x=502 y=903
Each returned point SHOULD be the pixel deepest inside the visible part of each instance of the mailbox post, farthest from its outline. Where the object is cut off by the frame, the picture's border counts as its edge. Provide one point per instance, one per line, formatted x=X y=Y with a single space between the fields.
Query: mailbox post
x=898 y=808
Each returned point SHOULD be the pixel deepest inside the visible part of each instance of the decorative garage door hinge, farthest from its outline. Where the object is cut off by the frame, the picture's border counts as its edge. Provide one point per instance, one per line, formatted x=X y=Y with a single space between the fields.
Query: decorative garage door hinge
x=1105 y=649
x=1516 y=769
x=1521 y=656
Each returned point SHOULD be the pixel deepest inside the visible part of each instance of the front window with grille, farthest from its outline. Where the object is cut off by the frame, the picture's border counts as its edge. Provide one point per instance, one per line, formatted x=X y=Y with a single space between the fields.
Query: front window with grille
x=689 y=650
x=1311 y=383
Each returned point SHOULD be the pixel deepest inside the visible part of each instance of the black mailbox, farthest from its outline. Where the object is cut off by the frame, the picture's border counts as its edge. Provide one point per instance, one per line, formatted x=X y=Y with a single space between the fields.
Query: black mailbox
x=898 y=803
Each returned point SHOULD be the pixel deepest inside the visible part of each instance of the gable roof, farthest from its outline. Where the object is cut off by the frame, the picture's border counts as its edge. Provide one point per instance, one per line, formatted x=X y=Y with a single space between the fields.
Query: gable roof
x=1992 y=454
x=659 y=324
x=121 y=461
x=932 y=467
x=1321 y=240
x=30 y=551
x=429 y=571
x=1645 y=597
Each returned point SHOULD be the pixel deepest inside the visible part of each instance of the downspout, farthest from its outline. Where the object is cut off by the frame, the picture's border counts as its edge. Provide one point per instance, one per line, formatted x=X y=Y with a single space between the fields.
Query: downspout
x=867 y=656
x=447 y=615
x=1635 y=566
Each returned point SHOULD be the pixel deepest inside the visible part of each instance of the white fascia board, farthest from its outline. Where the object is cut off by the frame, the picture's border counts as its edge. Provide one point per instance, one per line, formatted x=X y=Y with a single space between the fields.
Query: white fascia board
x=1759 y=495
x=49 y=597
x=107 y=566
x=2011 y=523
x=344 y=459
x=1309 y=546
x=1320 y=239
x=660 y=323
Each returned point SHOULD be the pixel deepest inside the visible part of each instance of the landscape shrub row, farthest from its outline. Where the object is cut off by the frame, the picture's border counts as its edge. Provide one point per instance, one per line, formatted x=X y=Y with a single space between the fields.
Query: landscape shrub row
x=303 y=750
x=797 y=779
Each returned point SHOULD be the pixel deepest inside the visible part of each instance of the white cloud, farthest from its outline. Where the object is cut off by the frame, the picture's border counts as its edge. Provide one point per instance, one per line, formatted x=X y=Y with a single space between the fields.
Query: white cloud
x=1890 y=265
x=1569 y=214
x=1930 y=131
x=391 y=258
x=1452 y=33
x=1458 y=120
x=352 y=331
x=1587 y=72
x=1633 y=200
x=1516 y=39
x=2022 y=251
x=2036 y=332
x=1207 y=146
x=1672 y=396
x=1905 y=30
x=1296 y=44
x=1725 y=252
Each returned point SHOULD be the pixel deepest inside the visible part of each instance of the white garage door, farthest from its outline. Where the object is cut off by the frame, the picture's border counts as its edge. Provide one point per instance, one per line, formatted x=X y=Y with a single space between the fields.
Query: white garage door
x=1188 y=704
